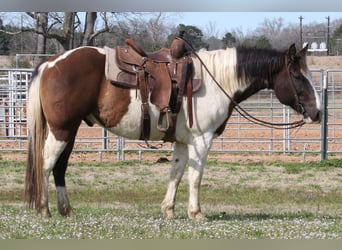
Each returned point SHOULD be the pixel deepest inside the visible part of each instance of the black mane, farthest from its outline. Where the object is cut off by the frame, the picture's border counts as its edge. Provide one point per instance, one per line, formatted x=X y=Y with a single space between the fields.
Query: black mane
x=253 y=63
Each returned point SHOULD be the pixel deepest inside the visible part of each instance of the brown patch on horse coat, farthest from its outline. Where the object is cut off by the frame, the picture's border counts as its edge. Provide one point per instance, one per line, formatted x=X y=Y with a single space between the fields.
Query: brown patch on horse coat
x=113 y=103
x=75 y=87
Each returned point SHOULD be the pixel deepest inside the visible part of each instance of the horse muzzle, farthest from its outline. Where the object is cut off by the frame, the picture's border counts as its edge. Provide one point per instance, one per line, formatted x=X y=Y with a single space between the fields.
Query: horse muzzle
x=313 y=119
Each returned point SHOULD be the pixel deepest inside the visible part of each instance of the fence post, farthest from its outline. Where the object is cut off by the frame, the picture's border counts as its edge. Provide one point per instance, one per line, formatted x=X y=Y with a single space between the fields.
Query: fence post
x=324 y=124
x=104 y=139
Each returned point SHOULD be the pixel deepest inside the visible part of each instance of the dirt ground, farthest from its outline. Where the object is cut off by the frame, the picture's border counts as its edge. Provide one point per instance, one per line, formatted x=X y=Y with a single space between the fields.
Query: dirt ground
x=324 y=62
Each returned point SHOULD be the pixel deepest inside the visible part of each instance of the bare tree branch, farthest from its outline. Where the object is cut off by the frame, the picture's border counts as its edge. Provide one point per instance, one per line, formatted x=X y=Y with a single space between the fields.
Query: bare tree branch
x=103 y=30
x=31 y=14
x=16 y=32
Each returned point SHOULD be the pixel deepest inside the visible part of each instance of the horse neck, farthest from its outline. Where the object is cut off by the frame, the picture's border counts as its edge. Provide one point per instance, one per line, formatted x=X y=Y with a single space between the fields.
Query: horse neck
x=242 y=72
x=222 y=65
x=257 y=68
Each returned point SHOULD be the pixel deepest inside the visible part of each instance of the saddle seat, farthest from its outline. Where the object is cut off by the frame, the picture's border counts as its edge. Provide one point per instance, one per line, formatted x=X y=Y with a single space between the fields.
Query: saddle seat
x=166 y=74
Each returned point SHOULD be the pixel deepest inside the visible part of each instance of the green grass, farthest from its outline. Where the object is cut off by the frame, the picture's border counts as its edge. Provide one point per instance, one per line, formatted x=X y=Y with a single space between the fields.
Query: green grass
x=121 y=200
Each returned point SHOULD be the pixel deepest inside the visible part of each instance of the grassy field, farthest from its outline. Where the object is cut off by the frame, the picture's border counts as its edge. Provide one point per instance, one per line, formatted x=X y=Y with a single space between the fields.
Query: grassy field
x=121 y=200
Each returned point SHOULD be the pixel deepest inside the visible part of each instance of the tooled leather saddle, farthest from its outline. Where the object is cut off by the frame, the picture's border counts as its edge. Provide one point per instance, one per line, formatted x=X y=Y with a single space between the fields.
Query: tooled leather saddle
x=165 y=76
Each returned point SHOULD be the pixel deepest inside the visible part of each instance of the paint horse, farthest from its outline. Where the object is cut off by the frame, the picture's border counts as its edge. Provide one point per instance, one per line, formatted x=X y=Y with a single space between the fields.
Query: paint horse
x=71 y=87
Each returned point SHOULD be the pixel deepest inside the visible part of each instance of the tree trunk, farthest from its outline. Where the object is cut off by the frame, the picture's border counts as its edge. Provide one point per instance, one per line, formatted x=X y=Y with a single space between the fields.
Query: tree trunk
x=68 y=31
x=88 y=38
x=42 y=22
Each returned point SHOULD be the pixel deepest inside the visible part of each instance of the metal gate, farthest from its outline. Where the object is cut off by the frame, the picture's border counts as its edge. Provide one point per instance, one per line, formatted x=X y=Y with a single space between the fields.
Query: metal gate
x=239 y=136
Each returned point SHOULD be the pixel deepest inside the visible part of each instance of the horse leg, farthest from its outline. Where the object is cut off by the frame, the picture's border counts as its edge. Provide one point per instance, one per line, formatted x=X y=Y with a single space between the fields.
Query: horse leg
x=179 y=160
x=59 y=170
x=198 y=153
x=52 y=150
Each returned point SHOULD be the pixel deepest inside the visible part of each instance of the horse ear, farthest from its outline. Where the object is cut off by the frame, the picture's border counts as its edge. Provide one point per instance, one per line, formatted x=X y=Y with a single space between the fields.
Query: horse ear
x=291 y=53
x=304 y=50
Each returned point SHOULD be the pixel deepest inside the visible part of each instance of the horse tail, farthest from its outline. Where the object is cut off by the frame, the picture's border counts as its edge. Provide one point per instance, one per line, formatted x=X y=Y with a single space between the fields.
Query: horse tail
x=37 y=130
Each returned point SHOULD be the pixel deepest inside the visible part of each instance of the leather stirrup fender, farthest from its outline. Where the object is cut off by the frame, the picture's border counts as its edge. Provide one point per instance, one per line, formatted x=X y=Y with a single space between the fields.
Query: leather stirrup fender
x=145 y=116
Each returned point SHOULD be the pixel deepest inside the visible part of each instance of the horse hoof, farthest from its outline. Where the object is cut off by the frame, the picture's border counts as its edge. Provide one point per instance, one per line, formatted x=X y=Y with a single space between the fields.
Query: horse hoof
x=45 y=213
x=168 y=211
x=169 y=215
x=66 y=211
x=201 y=218
x=198 y=216
x=70 y=214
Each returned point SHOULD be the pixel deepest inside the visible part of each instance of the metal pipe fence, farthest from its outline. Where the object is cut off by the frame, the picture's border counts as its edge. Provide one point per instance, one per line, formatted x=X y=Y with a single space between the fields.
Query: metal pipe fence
x=240 y=135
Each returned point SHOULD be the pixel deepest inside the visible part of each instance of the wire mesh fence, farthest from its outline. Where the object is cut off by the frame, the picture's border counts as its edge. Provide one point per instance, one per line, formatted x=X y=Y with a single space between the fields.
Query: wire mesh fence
x=240 y=135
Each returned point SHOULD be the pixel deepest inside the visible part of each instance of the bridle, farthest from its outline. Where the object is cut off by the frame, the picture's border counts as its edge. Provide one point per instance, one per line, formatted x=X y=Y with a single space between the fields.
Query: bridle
x=241 y=111
x=300 y=108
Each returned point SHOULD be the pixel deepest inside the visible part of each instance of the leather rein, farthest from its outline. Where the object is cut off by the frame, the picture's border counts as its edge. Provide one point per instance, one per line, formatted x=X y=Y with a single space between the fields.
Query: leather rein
x=242 y=111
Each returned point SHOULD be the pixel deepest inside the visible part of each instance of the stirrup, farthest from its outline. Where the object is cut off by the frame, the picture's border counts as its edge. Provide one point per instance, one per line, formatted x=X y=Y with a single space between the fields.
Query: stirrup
x=160 y=121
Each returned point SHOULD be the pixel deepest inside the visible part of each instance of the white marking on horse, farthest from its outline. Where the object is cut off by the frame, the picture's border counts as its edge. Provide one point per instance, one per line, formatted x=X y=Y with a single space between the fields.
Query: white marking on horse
x=129 y=125
x=69 y=52
x=226 y=76
x=318 y=100
x=52 y=150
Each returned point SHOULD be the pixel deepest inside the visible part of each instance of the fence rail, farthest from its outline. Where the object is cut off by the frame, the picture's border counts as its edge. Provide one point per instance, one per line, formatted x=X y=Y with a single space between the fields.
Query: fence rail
x=239 y=136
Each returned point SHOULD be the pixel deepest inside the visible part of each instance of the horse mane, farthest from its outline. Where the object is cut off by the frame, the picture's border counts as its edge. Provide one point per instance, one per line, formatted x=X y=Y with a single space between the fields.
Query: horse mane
x=236 y=68
x=254 y=63
x=222 y=64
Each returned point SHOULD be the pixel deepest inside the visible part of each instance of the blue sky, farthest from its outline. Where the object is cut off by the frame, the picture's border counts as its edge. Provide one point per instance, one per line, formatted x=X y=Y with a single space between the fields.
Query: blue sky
x=226 y=21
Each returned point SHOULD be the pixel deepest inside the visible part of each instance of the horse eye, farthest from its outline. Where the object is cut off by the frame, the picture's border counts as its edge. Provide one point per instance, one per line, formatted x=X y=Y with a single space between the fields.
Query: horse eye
x=297 y=76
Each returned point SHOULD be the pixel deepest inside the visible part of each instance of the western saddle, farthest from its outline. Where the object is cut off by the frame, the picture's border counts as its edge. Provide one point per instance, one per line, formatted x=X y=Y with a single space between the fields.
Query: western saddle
x=165 y=75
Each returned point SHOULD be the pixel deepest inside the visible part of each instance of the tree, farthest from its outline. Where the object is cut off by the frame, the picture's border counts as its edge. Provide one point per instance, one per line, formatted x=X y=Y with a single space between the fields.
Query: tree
x=336 y=41
x=193 y=35
x=63 y=27
x=269 y=30
x=213 y=43
x=4 y=41
x=257 y=42
x=228 y=40
x=262 y=42
x=44 y=32
x=157 y=30
x=42 y=22
x=89 y=33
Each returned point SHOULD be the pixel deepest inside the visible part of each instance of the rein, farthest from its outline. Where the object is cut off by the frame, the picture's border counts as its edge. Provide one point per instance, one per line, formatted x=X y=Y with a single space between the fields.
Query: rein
x=241 y=110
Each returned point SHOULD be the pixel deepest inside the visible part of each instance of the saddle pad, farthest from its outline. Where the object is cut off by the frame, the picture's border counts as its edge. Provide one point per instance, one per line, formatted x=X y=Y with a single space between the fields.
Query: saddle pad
x=111 y=68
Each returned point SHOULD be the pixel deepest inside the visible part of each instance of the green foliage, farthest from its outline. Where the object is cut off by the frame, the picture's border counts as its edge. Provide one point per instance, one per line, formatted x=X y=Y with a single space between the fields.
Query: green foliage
x=293 y=168
x=336 y=40
x=257 y=42
x=228 y=40
x=331 y=163
x=298 y=167
x=4 y=41
x=194 y=36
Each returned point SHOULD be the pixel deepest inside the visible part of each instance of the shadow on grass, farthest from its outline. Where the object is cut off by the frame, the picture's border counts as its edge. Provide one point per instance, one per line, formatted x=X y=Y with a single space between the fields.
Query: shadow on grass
x=268 y=216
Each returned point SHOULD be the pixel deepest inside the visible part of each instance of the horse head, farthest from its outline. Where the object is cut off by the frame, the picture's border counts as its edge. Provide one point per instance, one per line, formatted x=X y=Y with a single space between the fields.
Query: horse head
x=293 y=86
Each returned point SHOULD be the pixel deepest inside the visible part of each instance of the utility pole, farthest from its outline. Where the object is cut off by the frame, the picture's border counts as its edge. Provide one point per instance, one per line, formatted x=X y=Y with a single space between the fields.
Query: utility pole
x=328 y=36
x=301 y=31
x=21 y=34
